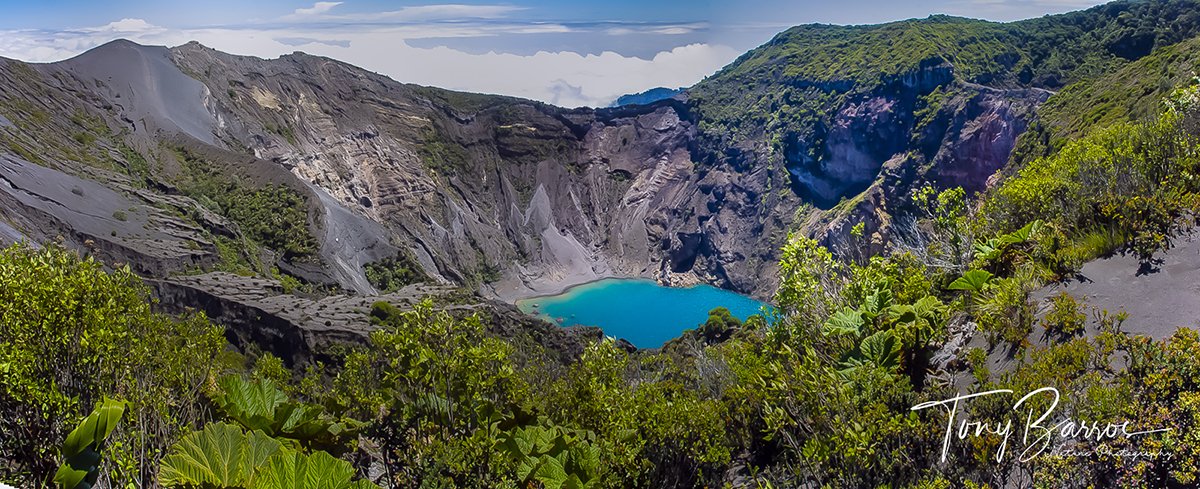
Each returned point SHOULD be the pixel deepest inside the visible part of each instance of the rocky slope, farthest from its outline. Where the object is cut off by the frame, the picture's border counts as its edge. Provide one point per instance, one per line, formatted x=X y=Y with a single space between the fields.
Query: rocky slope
x=513 y=195
x=525 y=198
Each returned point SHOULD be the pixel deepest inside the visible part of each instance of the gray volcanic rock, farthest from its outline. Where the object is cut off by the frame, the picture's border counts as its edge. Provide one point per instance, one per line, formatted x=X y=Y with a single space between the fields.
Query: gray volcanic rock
x=1160 y=296
x=292 y=327
x=350 y=241
x=47 y=204
x=473 y=187
x=147 y=89
x=301 y=330
x=138 y=98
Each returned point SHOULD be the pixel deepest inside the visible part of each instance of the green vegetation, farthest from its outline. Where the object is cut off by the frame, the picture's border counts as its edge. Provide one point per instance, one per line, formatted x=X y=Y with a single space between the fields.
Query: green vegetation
x=277 y=443
x=1133 y=180
x=284 y=130
x=275 y=216
x=260 y=405
x=442 y=154
x=222 y=456
x=789 y=89
x=72 y=334
x=392 y=274
x=464 y=101
x=1132 y=94
x=1065 y=317
x=82 y=449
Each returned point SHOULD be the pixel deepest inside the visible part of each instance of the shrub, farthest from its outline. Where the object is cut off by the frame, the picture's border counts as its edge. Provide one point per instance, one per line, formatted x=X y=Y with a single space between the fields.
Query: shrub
x=392 y=274
x=1066 y=318
x=70 y=333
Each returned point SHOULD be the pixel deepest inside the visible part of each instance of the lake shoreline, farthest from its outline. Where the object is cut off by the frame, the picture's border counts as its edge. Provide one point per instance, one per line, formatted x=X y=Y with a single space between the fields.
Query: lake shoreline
x=578 y=286
x=512 y=289
x=637 y=309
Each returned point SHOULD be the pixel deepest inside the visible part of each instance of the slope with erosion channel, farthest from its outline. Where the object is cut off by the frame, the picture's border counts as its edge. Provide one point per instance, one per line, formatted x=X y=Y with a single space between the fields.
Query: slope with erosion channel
x=117 y=154
x=126 y=116
x=516 y=196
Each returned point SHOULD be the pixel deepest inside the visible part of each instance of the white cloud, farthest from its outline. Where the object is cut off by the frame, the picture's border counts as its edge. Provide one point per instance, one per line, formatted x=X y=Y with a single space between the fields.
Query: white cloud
x=126 y=26
x=564 y=77
x=448 y=12
x=416 y=13
x=317 y=8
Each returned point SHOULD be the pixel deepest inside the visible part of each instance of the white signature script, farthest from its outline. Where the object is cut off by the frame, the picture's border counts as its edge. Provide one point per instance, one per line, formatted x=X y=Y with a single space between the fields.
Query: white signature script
x=1038 y=433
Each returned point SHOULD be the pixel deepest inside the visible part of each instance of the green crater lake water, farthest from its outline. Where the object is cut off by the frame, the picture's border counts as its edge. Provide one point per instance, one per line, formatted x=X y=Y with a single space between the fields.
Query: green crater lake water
x=640 y=311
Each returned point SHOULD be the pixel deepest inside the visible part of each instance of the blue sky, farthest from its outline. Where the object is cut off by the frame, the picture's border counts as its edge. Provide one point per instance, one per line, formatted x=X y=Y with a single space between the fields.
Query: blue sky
x=564 y=52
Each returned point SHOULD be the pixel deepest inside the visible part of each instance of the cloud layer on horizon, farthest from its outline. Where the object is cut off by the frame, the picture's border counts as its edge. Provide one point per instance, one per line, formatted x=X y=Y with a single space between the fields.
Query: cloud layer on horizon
x=565 y=54
x=383 y=42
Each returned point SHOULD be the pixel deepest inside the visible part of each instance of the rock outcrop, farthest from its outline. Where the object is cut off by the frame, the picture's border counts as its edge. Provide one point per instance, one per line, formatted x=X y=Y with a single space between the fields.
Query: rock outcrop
x=300 y=329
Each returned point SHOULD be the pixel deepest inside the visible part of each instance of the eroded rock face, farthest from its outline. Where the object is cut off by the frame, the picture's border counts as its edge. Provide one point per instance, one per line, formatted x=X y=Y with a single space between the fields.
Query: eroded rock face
x=963 y=142
x=981 y=136
x=526 y=198
x=478 y=188
x=864 y=135
x=302 y=330
x=49 y=205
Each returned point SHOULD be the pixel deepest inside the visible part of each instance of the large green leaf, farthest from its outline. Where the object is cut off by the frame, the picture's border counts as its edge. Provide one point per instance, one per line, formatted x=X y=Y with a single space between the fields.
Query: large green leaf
x=253 y=404
x=847 y=321
x=1022 y=235
x=988 y=250
x=290 y=469
x=973 y=280
x=878 y=302
x=551 y=473
x=992 y=248
x=261 y=405
x=220 y=455
x=882 y=349
x=81 y=450
x=929 y=307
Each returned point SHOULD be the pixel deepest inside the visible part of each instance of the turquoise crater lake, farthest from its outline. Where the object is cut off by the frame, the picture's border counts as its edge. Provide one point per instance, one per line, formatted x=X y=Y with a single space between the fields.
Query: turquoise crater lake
x=640 y=311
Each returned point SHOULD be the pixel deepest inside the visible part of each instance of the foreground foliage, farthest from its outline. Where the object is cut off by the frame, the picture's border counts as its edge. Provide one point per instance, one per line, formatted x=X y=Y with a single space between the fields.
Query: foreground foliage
x=70 y=334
